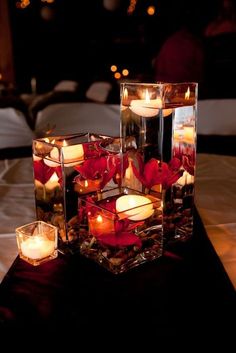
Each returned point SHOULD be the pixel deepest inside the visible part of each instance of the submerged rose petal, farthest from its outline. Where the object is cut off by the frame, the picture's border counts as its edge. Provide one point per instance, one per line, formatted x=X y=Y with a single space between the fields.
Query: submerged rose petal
x=188 y=165
x=42 y=172
x=92 y=168
x=93 y=150
x=120 y=240
x=155 y=173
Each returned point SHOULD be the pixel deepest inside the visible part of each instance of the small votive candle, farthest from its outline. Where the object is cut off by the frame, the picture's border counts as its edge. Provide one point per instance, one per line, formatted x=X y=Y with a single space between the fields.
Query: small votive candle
x=87 y=185
x=37 y=242
x=100 y=224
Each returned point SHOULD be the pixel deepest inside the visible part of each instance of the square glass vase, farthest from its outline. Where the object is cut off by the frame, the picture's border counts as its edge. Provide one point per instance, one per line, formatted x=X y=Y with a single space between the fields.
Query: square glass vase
x=37 y=242
x=66 y=167
x=158 y=130
x=120 y=228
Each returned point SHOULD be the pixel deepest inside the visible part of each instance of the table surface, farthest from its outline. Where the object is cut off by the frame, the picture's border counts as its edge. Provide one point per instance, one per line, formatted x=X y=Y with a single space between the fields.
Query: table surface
x=215 y=197
x=169 y=295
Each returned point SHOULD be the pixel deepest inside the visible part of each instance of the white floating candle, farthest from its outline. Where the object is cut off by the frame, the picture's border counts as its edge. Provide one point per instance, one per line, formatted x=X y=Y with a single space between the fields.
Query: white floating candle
x=70 y=153
x=146 y=107
x=135 y=207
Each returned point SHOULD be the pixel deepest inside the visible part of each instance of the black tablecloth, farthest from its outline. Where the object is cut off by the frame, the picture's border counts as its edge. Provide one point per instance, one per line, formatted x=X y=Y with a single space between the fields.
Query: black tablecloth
x=73 y=297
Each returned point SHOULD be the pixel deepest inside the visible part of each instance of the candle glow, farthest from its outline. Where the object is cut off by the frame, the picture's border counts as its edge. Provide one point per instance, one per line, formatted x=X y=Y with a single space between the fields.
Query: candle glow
x=135 y=207
x=37 y=247
x=99 y=224
x=70 y=153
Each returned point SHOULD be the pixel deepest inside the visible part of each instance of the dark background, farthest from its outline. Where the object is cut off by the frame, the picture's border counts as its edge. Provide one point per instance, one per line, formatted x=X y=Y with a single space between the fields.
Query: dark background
x=80 y=40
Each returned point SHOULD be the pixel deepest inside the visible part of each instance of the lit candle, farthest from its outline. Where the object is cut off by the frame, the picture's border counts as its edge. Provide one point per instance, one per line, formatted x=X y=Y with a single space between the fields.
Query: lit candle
x=87 y=185
x=146 y=107
x=185 y=179
x=135 y=207
x=37 y=247
x=52 y=183
x=70 y=153
x=100 y=224
x=125 y=101
x=189 y=134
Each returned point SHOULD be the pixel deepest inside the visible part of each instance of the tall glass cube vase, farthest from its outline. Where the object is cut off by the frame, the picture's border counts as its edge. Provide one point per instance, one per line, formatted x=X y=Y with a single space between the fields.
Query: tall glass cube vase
x=66 y=167
x=158 y=129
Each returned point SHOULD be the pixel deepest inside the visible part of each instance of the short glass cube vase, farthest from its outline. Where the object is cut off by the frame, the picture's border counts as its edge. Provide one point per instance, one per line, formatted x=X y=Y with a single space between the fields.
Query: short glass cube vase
x=120 y=228
x=37 y=242
x=66 y=167
x=158 y=130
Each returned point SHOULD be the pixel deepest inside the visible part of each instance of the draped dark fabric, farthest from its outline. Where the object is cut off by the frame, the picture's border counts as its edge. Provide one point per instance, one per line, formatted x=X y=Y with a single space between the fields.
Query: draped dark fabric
x=186 y=293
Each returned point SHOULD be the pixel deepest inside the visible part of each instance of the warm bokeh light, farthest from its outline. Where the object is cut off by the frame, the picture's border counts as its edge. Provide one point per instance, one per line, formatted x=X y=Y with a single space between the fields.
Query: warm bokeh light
x=151 y=10
x=48 y=1
x=0 y=76
x=22 y=4
x=113 y=68
x=117 y=75
x=131 y=7
x=125 y=72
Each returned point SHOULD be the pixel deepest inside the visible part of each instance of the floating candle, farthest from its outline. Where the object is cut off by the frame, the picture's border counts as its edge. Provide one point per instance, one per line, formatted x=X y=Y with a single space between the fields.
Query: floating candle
x=72 y=153
x=100 y=224
x=135 y=207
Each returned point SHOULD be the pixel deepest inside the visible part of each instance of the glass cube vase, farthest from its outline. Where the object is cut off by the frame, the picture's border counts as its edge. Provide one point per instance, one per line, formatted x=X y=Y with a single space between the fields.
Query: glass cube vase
x=158 y=130
x=66 y=167
x=37 y=242
x=120 y=228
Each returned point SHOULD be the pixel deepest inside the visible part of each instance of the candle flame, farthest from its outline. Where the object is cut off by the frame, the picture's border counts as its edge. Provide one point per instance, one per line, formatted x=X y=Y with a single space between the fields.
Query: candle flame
x=54 y=177
x=125 y=94
x=64 y=143
x=99 y=219
x=187 y=93
x=147 y=97
x=86 y=183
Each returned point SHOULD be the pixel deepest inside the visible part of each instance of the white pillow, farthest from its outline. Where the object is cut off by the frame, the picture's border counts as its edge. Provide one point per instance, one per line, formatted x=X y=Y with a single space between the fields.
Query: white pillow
x=69 y=118
x=66 y=85
x=98 y=91
x=216 y=117
x=14 y=130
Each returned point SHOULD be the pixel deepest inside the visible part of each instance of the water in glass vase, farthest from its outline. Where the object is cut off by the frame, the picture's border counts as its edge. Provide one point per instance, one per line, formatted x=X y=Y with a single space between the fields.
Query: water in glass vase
x=158 y=129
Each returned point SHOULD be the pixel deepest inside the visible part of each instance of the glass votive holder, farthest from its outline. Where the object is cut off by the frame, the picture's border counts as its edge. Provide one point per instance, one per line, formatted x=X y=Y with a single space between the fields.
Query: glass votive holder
x=37 y=242
x=120 y=228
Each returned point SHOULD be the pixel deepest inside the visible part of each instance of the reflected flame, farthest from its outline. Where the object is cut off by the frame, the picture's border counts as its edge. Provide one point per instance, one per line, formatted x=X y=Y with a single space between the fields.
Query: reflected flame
x=54 y=177
x=147 y=97
x=125 y=93
x=187 y=93
x=99 y=219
